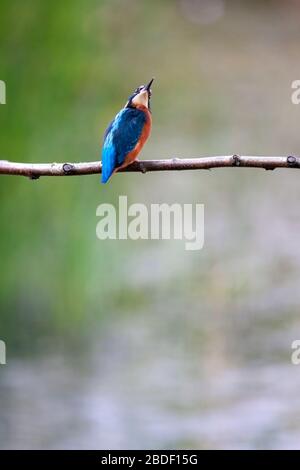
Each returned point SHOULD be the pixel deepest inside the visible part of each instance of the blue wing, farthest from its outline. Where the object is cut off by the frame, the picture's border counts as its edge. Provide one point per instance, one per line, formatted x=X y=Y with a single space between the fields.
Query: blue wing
x=120 y=138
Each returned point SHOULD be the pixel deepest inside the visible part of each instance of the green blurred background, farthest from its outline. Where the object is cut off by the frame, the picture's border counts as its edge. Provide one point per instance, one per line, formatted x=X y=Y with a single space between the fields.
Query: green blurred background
x=123 y=344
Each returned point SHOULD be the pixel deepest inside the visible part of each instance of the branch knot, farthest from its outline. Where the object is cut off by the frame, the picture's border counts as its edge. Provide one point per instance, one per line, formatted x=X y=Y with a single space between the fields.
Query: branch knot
x=34 y=176
x=236 y=160
x=292 y=161
x=68 y=168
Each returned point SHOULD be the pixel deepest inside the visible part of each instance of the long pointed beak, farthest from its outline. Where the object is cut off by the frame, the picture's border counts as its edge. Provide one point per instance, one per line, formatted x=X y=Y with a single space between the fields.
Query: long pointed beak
x=147 y=87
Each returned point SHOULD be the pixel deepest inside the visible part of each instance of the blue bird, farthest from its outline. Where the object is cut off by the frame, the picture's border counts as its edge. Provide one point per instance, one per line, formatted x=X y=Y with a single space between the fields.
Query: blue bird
x=127 y=133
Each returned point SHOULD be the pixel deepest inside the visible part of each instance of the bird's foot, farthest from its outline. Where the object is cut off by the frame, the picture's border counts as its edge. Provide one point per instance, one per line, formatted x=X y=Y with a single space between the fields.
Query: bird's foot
x=141 y=165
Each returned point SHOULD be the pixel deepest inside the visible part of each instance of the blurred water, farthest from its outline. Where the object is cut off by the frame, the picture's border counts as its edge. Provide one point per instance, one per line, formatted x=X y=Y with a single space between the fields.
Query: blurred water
x=157 y=382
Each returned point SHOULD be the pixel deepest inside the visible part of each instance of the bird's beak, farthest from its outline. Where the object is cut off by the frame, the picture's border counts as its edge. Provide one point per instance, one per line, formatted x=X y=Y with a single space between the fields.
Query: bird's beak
x=147 y=87
x=143 y=97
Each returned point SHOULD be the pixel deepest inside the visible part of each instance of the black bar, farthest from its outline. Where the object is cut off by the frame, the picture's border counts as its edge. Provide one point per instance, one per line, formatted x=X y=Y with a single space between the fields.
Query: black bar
x=139 y=458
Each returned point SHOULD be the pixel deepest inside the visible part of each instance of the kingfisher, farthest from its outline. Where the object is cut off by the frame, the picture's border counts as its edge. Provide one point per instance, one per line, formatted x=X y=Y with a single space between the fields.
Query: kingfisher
x=127 y=133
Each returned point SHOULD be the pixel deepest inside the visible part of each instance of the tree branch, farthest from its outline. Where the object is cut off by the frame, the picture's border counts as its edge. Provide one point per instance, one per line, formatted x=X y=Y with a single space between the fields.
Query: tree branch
x=35 y=170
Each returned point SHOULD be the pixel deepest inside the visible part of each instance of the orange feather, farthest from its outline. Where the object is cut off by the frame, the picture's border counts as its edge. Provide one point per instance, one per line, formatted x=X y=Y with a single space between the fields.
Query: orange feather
x=131 y=156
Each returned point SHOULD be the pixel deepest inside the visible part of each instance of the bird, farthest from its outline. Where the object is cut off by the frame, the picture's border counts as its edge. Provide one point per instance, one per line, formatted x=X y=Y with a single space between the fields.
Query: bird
x=127 y=133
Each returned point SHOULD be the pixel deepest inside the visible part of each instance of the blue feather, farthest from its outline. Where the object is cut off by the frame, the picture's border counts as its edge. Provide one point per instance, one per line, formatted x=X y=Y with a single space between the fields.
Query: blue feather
x=120 y=138
x=108 y=158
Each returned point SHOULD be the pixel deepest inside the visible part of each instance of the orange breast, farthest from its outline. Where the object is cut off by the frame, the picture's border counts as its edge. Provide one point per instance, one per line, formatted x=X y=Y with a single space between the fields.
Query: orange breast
x=131 y=156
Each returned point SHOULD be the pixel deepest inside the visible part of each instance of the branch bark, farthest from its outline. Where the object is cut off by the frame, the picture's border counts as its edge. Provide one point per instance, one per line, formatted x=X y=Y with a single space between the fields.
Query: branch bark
x=35 y=170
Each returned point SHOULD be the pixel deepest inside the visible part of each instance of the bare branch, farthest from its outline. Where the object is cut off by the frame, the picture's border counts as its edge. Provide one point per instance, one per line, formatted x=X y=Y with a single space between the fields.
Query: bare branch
x=35 y=170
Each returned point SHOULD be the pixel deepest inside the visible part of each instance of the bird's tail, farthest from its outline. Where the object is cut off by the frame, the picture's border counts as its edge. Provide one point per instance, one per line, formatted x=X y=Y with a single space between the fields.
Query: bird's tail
x=108 y=164
x=105 y=176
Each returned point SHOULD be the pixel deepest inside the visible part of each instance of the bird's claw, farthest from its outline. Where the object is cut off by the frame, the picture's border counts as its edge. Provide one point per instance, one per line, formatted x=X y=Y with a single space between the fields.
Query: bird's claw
x=141 y=166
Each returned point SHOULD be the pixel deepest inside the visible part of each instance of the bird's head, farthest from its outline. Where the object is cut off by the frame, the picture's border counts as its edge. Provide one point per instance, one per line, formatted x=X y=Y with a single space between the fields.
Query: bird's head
x=140 y=97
